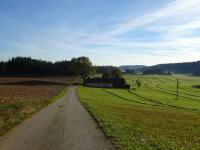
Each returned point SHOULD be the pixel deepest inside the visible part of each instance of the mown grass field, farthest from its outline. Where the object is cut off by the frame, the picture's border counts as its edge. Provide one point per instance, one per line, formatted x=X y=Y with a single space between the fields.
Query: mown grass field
x=149 y=117
x=21 y=97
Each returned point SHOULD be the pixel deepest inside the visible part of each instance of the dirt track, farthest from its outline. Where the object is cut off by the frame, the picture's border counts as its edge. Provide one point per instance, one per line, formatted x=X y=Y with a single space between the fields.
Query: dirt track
x=63 y=125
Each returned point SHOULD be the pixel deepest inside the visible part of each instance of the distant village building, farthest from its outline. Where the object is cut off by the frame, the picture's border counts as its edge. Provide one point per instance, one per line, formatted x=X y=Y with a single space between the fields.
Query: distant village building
x=106 y=83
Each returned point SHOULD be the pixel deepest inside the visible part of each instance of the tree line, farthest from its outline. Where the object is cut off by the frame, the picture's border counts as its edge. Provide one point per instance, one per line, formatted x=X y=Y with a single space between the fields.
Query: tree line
x=22 y=66
x=27 y=66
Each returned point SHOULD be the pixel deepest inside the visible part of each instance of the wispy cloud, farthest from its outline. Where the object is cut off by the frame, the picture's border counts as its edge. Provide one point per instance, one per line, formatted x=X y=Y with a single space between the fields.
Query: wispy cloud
x=175 y=12
x=175 y=24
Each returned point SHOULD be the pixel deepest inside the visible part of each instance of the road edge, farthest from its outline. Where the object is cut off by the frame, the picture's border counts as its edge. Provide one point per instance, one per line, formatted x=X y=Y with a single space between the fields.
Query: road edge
x=97 y=122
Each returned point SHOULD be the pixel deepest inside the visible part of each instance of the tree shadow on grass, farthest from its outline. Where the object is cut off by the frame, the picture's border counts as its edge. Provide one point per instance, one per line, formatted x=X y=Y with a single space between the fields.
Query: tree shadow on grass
x=159 y=104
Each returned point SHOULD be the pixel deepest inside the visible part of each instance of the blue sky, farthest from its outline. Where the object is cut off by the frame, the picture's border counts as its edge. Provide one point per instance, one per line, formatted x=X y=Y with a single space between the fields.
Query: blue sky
x=110 y=32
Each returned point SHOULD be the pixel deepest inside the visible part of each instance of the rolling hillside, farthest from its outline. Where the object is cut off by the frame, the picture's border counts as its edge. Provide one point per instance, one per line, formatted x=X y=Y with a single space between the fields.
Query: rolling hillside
x=181 y=68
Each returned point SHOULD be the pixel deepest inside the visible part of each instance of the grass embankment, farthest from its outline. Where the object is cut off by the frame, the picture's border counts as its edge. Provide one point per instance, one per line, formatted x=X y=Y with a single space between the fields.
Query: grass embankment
x=149 y=118
x=12 y=113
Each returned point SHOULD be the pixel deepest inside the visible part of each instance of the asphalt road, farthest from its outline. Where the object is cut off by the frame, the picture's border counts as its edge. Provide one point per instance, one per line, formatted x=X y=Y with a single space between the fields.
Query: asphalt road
x=63 y=125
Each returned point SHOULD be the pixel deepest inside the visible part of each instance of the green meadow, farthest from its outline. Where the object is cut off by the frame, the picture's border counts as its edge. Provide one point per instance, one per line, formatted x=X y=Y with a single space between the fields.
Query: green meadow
x=148 y=117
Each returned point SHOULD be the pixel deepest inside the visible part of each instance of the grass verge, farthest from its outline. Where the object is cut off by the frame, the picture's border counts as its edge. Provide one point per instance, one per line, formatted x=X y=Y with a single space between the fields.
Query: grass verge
x=136 y=126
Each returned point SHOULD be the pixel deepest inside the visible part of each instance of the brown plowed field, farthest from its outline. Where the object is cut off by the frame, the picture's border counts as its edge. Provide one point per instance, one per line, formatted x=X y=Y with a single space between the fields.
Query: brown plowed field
x=20 y=97
x=13 y=89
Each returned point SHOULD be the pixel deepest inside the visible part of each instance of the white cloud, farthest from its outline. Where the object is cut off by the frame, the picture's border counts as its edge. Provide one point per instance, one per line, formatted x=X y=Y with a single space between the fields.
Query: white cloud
x=176 y=11
x=176 y=24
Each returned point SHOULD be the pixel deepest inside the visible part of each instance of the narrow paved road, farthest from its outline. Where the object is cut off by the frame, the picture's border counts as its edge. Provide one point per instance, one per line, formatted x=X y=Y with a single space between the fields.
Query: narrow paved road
x=63 y=125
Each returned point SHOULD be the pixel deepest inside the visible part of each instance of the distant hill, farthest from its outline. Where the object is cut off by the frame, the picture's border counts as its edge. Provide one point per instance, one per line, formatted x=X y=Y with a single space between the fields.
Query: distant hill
x=131 y=67
x=181 y=68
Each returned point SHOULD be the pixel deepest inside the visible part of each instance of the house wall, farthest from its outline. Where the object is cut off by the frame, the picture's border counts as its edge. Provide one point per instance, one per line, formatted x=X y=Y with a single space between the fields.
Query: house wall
x=102 y=85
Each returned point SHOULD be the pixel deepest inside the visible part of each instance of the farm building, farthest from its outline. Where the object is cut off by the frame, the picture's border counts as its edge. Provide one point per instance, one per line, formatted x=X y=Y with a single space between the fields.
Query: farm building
x=106 y=82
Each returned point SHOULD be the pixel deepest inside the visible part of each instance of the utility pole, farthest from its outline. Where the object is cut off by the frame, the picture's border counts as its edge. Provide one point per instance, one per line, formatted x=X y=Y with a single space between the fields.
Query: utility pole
x=177 y=86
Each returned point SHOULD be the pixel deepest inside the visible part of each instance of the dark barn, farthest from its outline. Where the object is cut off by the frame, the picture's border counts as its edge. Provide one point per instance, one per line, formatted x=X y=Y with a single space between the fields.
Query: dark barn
x=106 y=82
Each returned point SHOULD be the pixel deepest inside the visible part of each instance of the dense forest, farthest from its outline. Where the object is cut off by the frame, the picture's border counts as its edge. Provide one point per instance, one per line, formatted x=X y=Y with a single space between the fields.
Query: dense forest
x=26 y=66
x=21 y=66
